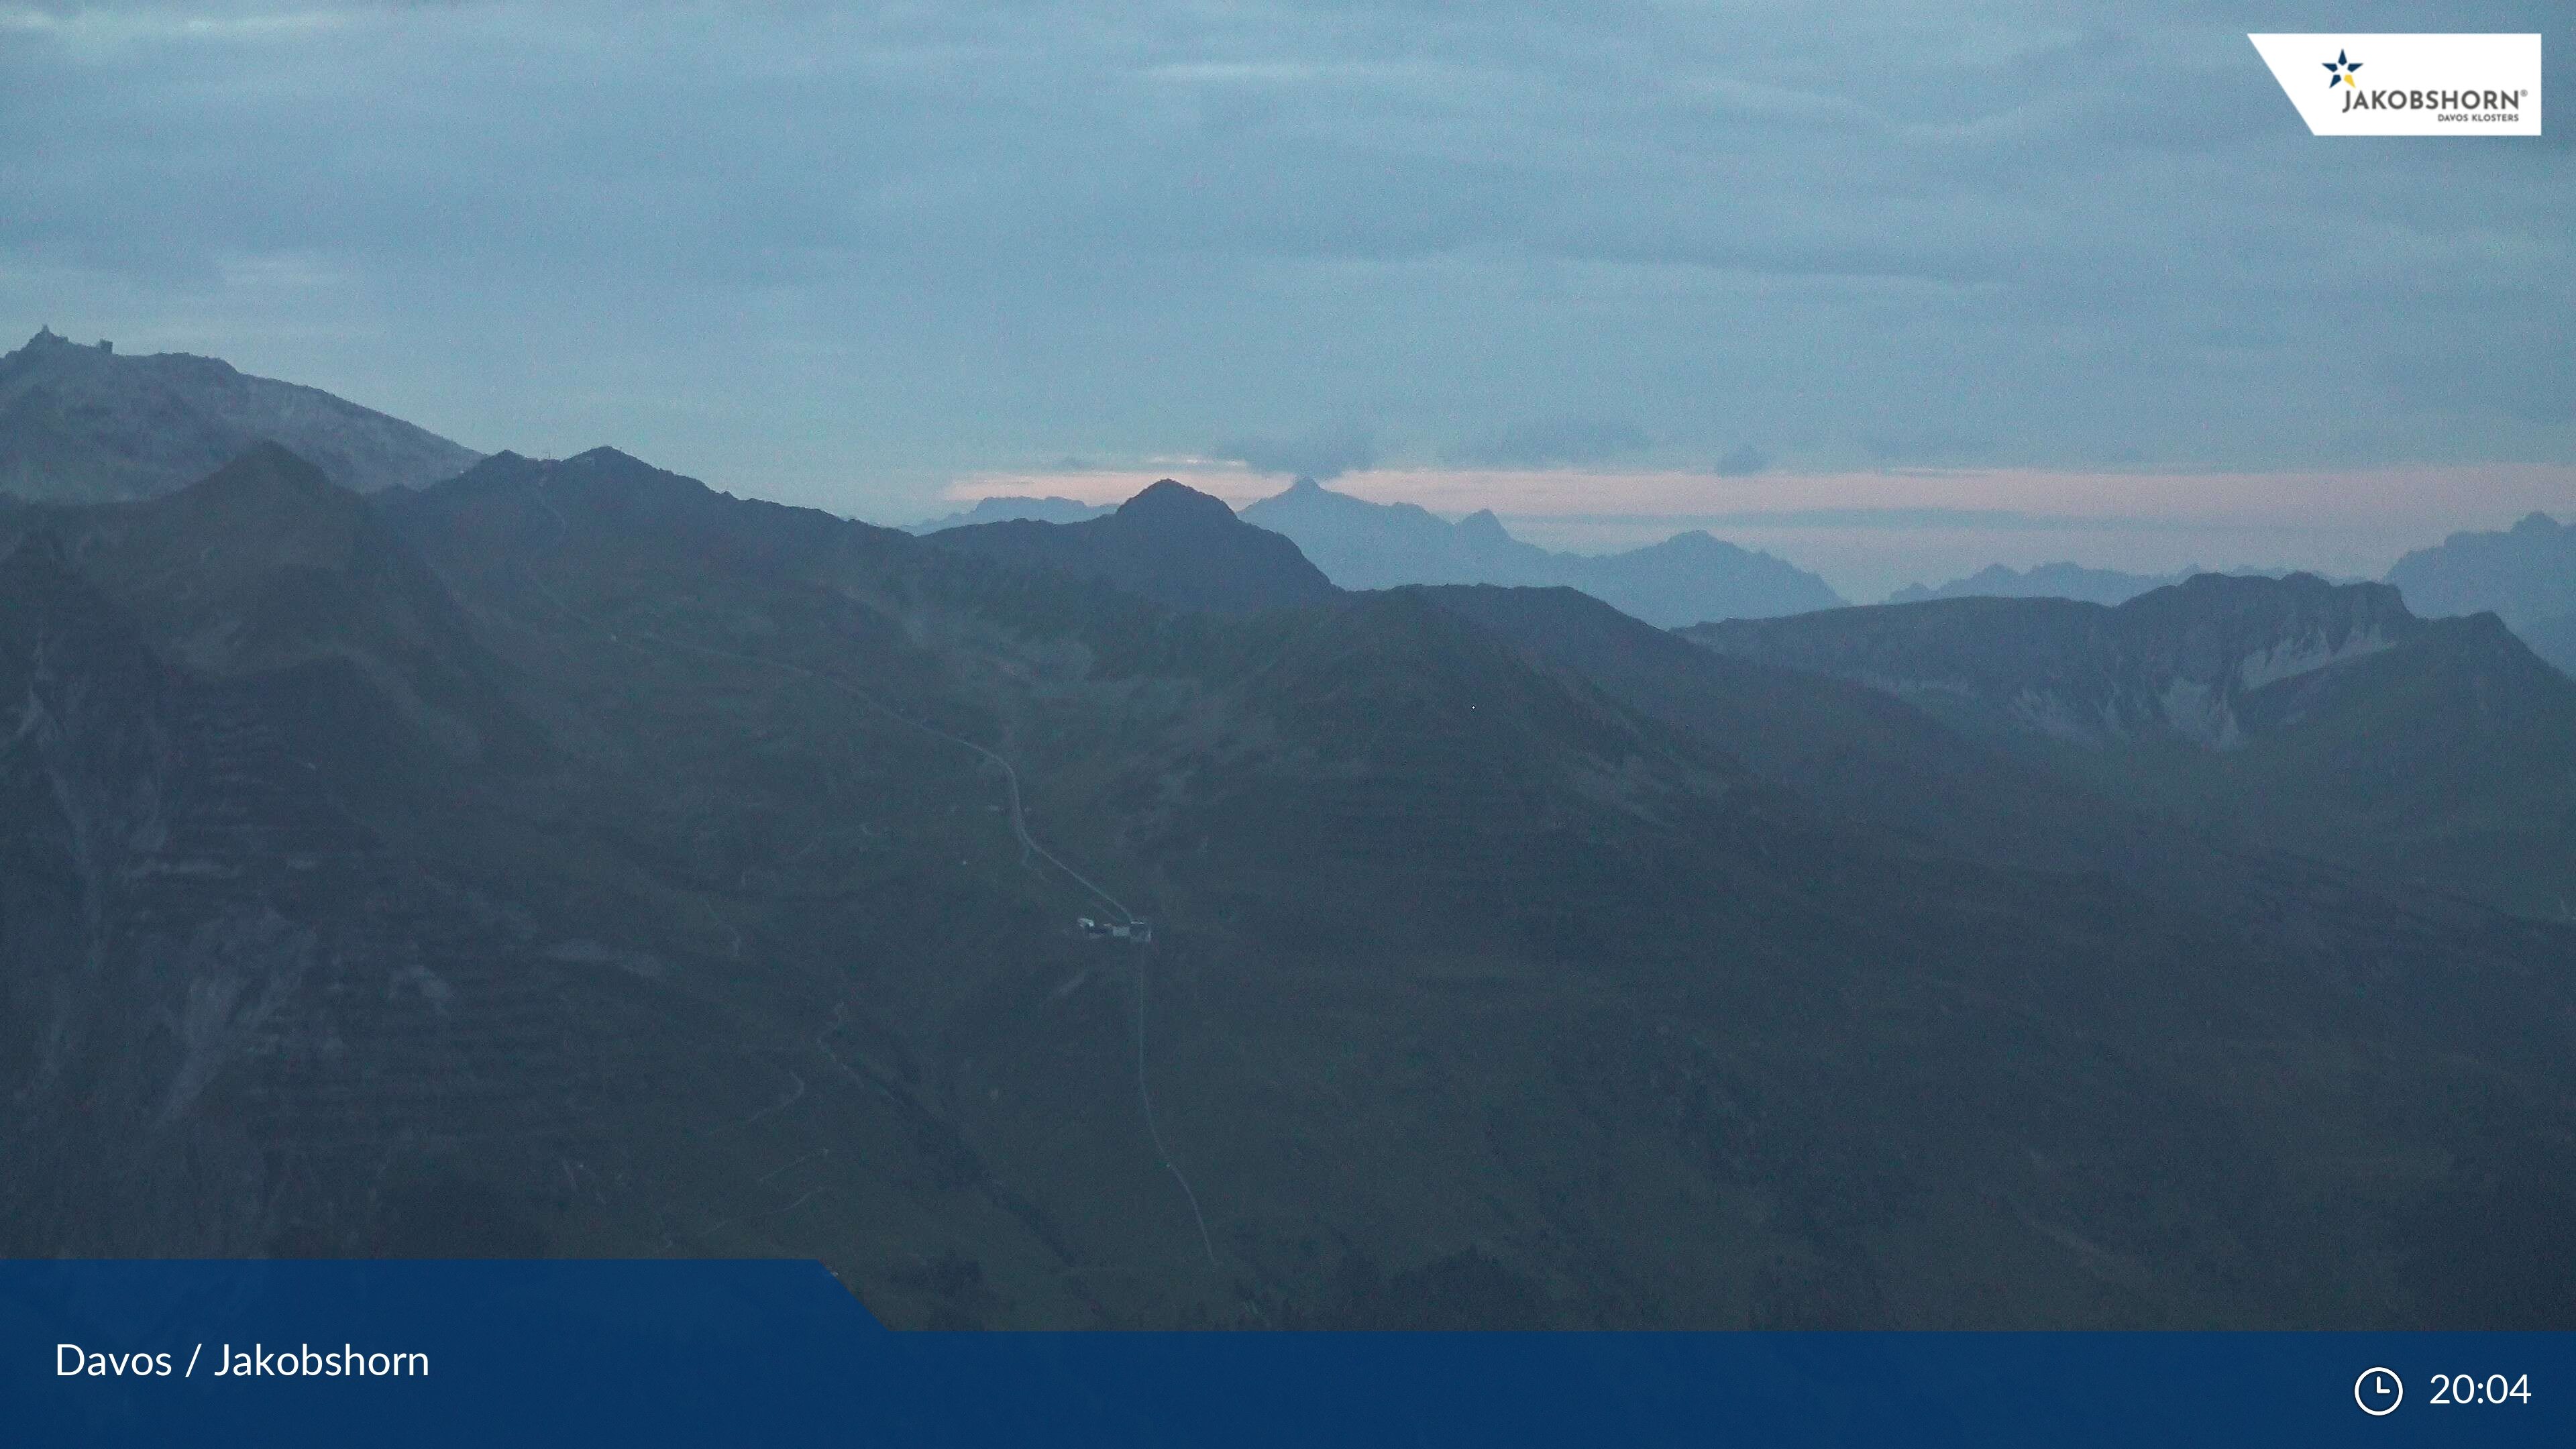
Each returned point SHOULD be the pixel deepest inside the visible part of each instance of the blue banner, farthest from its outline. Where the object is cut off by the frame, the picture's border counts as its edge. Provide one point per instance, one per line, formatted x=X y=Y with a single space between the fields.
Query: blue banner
x=777 y=1353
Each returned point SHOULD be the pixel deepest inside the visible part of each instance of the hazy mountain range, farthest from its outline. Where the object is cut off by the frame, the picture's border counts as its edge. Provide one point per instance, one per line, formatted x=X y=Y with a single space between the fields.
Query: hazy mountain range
x=1362 y=545
x=2526 y=575
x=566 y=857
x=1686 y=578
x=2043 y=581
x=83 y=424
x=1005 y=509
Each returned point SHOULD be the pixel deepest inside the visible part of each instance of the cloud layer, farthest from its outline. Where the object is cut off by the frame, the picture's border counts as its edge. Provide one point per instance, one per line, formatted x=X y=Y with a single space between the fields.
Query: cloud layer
x=841 y=257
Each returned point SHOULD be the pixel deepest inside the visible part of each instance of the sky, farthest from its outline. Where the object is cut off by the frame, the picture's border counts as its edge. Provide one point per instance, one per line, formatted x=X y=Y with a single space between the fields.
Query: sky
x=1894 y=291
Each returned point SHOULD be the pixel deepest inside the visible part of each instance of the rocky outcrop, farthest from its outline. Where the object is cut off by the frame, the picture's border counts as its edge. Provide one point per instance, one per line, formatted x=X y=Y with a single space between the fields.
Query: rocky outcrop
x=2175 y=663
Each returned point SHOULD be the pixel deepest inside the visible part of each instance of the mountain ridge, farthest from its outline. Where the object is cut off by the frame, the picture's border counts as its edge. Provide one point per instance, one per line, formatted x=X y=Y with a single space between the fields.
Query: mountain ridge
x=2318 y=717
x=2050 y=580
x=1002 y=508
x=1170 y=543
x=89 y=424
x=2525 y=574
x=1476 y=993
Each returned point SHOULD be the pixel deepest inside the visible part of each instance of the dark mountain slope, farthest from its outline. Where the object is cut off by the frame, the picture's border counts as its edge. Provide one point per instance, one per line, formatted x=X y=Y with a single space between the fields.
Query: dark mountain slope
x=1438 y=933
x=267 y=565
x=2292 y=713
x=253 y=1009
x=1854 y=751
x=1170 y=543
x=85 y=424
x=1474 y=995
x=2170 y=665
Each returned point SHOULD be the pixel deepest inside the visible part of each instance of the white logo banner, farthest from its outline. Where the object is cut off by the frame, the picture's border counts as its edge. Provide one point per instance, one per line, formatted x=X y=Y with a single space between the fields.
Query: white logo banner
x=2409 y=85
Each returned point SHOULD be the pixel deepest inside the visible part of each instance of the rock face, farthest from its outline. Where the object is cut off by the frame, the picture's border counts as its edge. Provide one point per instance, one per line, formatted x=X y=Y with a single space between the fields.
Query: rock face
x=2172 y=664
x=1686 y=579
x=89 y=425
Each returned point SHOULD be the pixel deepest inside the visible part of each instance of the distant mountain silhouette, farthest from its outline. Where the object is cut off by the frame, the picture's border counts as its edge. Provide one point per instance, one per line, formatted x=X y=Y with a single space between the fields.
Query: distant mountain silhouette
x=2526 y=575
x=2068 y=581
x=1169 y=543
x=2292 y=713
x=2042 y=581
x=1000 y=510
x=1686 y=579
x=88 y=424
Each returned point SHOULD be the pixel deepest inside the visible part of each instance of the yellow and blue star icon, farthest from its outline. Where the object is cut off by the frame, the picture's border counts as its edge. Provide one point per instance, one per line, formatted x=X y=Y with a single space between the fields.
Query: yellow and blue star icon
x=2339 y=72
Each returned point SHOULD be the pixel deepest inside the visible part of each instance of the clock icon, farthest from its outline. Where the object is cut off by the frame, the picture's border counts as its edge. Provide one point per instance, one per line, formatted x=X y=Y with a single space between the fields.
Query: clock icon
x=2378 y=1392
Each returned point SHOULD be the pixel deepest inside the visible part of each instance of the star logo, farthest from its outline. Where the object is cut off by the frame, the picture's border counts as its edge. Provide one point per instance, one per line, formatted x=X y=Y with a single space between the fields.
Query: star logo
x=2339 y=72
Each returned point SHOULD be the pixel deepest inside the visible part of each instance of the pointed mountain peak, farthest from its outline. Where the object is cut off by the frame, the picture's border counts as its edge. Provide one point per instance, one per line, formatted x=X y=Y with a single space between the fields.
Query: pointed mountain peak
x=1305 y=486
x=2536 y=524
x=1170 y=499
x=605 y=456
x=1170 y=543
x=619 y=479
x=267 y=504
x=268 y=467
x=1482 y=526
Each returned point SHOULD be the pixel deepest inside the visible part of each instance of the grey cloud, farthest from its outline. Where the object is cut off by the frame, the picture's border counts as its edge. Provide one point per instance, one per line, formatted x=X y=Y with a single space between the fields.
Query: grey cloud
x=1742 y=461
x=1322 y=455
x=1547 y=442
x=842 y=254
x=1926 y=445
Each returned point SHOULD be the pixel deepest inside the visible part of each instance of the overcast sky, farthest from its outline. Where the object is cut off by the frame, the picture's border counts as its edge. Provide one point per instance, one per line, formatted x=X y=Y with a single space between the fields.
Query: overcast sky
x=872 y=260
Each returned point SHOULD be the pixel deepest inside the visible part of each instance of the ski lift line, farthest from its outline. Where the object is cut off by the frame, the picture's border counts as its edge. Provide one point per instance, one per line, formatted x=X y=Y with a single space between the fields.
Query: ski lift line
x=1019 y=817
